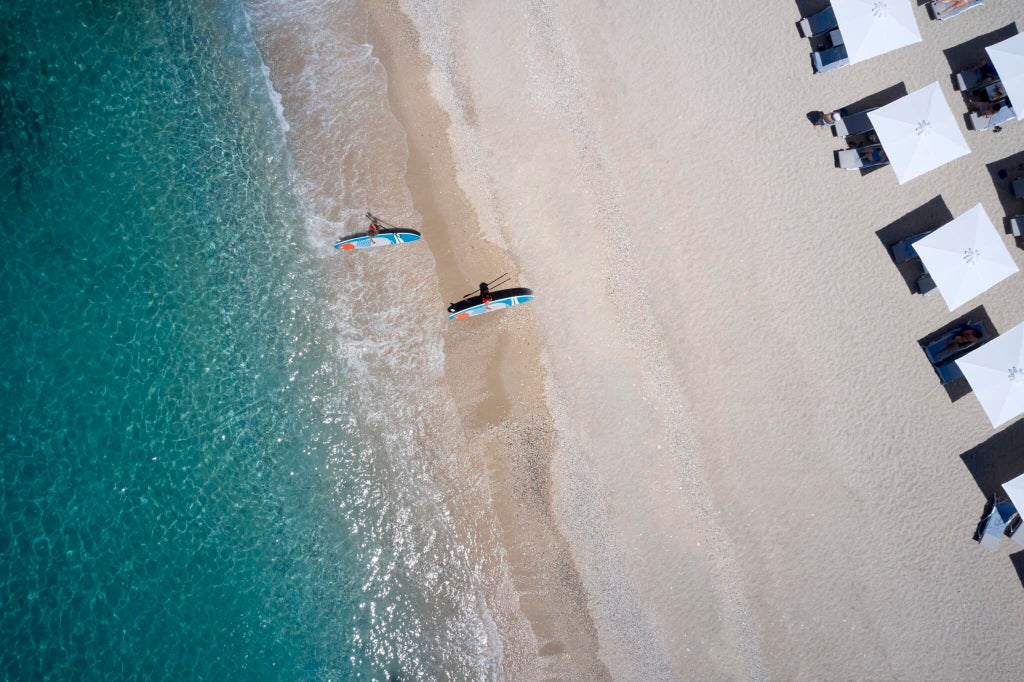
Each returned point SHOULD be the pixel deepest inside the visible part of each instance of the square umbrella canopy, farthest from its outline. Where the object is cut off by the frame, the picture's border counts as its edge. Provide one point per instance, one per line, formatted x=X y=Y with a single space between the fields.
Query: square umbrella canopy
x=918 y=132
x=874 y=27
x=996 y=373
x=1015 y=491
x=1008 y=58
x=965 y=257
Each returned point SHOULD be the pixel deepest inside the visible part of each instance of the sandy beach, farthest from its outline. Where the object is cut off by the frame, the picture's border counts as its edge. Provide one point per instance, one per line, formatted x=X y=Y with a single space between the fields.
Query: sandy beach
x=712 y=448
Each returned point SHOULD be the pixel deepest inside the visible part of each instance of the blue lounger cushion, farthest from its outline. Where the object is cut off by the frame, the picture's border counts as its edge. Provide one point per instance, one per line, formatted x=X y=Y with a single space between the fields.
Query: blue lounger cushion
x=821 y=22
x=948 y=372
x=972 y=78
x=1017 y=186
x=854 y=124
x=904 y=250
x=830 y=59
x=925 y=284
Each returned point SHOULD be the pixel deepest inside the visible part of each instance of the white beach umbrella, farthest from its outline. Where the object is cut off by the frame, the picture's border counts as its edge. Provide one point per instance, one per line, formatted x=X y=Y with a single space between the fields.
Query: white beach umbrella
x=874 y=27
x=996 y=373
x=918 y=132
x=965 y=257
x=1008 y=58
x=1015 y=491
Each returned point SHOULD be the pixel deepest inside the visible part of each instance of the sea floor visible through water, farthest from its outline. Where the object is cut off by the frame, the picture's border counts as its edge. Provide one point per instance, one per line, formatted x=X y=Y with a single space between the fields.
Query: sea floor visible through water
x=192 y=486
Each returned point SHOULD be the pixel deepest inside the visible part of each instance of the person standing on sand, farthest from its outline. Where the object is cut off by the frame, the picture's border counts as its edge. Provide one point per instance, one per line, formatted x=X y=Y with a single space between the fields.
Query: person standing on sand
x=830 y=119
x=485 y=295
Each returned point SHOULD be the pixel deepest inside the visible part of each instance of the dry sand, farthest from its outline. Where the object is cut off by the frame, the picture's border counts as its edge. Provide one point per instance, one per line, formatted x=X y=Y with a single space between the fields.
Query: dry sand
x=714 y=447
x=756 y=469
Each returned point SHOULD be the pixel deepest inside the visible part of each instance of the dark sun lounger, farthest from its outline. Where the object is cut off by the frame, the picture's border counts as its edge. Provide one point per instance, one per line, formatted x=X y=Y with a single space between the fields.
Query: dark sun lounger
x=904 y=250
x=821 y=22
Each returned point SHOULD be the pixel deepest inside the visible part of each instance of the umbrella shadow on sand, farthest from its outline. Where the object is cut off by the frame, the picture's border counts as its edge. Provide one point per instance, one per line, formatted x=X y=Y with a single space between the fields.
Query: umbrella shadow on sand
x=1004 y=172
x=959 y=388
x=808 y=7
x=970 y=53
x=997 y=460
x=928 y=216
x=1018 y=565
x=878 y=99
x=992 y=463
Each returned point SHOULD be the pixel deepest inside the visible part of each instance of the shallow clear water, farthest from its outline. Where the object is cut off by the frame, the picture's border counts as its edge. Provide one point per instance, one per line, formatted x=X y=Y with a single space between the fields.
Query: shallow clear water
x=187 y=491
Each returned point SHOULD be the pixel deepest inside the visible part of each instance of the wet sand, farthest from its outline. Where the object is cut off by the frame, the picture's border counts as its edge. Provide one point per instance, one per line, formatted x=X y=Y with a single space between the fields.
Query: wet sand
x=494 y=372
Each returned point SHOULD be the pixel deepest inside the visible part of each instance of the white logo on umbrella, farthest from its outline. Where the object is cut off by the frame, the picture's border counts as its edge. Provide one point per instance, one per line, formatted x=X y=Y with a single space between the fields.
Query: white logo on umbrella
x=924 y=128
x=971 y=255
x=1016 y=374
x=879 y=10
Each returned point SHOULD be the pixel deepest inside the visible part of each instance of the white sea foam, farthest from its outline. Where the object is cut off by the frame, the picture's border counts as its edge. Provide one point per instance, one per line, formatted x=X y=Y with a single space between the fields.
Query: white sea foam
x=435 y=31
x=275 y=97
x=349 y=155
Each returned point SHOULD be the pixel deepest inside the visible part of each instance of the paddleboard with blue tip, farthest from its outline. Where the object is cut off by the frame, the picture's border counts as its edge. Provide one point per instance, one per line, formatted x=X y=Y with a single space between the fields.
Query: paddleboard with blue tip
x=389 y=238
x=474 y=305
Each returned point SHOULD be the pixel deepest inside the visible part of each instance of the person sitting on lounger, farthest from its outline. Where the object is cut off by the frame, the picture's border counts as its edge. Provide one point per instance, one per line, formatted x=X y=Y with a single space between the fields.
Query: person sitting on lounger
x=982 y=95
x=950 y=5
x=872 y=155
x=991 y=109
x=964 y=339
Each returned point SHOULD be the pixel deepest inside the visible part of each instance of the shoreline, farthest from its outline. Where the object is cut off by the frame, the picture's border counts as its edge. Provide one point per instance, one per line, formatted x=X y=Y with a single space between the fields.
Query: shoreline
x=683 y=459
x=493 y=370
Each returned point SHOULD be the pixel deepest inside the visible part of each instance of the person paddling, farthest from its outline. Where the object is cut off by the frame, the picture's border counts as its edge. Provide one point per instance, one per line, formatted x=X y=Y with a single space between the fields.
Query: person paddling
x=485 y=295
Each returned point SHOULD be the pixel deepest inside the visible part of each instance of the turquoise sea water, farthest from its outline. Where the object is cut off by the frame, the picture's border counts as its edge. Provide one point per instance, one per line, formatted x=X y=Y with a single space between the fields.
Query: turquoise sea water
x=186 y=488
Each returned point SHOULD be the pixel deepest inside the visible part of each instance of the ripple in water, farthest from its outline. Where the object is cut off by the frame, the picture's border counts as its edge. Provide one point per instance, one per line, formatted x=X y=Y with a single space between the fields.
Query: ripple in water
x=188 y=489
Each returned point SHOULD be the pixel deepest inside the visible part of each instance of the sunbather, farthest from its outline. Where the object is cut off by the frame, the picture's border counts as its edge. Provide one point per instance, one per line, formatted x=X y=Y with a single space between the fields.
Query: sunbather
x=964 y=339
x=872 y=155
x=950 y=5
